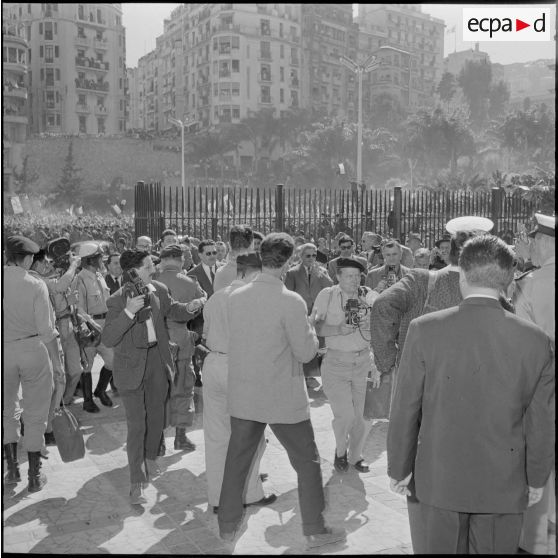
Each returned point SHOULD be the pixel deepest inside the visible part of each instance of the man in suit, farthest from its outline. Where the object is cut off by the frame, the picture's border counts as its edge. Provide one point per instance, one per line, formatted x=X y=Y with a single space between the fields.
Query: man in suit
x=113 y=278
x=143 y=365
x=346 y=250
x=308 y=279
x=205 y=271
x=380 y=278
x=471 y=415
x=183 y=289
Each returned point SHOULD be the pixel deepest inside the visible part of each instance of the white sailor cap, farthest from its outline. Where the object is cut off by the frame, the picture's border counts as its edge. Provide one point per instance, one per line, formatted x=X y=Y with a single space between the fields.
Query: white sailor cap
x=546 y=224
x=469 y=223
x=87 y=249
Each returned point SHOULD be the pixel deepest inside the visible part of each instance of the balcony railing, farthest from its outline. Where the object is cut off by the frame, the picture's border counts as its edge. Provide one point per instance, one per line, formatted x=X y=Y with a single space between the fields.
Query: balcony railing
x=294 y=82
x=12 y=91
x=294 y=61
x=83 y=108
x=101 y=109
x=92 y=64
x=91 y=85
x=265 y=55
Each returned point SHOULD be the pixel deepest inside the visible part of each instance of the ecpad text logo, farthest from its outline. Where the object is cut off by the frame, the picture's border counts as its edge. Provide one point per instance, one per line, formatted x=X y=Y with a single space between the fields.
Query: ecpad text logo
x=506 y=24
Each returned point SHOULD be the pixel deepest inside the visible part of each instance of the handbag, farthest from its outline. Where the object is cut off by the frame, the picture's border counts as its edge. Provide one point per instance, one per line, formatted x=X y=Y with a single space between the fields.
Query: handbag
x=377 y=400
x=68 y=436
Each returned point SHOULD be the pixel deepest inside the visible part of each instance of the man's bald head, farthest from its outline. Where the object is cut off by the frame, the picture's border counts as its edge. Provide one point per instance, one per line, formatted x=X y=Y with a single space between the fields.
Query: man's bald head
x=144 y=243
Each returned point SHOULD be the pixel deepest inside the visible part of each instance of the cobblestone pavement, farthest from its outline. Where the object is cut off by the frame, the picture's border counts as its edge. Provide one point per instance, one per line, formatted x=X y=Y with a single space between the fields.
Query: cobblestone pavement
x=84 y=509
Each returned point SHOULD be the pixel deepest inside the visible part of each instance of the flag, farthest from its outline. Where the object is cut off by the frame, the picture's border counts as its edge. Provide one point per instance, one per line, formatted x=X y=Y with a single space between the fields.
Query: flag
x=451 y=30
x=16 y=205
x=117 y=210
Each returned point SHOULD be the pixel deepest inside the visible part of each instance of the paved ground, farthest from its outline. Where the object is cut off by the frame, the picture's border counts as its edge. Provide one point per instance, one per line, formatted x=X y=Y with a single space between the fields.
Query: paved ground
x=84 y=506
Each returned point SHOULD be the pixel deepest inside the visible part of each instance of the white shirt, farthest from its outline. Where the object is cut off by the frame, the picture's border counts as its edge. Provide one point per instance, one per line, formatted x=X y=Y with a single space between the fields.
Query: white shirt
x=207 y=270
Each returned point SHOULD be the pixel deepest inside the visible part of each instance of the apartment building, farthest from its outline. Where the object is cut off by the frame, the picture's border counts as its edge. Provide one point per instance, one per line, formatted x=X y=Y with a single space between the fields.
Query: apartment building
x=412 y=66
x=77 y=70
x=14 y=98
x=536 y=80
x=455 y=61
x=133 y=120
x=328 y=32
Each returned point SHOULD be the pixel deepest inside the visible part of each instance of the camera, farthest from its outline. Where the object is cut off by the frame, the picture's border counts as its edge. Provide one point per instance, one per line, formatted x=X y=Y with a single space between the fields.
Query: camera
x=133 y=287
x=391 y=276
x=352 y=312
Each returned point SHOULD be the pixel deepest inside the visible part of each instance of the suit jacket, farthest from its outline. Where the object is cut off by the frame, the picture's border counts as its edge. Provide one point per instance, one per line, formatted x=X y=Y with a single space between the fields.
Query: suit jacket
x=199 y=273
x=473 y=409
x=296 y=279
x=332 y=267
x=376 y=275
x=129 y=338
x=111 y=283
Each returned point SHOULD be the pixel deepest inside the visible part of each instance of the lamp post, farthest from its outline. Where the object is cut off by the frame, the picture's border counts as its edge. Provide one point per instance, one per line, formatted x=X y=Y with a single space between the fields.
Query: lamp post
x=371 y=63
x=180 y=123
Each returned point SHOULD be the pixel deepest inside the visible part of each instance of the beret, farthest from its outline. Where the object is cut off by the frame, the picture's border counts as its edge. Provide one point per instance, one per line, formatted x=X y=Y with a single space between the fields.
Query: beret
x=349 y=262
x=171 y=251
x=251 y=259
x=21 y=245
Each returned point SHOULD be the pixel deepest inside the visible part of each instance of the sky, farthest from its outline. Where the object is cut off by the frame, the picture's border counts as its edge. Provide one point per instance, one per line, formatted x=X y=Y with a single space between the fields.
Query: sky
x=144 y=22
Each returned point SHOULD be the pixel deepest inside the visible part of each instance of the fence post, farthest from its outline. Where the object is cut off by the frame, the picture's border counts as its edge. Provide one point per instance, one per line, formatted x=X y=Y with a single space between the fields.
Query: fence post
x=495 y=207
x=397 y=208
x=214 y=227
x=139 y=208
x=279 y=208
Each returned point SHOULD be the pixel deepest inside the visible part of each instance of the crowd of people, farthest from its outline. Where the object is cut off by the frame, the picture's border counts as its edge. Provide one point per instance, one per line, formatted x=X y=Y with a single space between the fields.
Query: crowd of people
x=460 y=339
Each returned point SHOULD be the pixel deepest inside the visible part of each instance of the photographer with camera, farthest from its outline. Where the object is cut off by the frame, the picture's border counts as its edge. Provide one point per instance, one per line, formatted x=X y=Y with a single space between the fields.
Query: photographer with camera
x=341 y=315
x=381 y=278
x=143 y=365
x=59 y=291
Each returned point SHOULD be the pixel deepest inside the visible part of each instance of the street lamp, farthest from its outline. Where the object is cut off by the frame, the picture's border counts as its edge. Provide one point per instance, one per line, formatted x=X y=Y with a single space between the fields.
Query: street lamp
x=371 y=63
x=180 y=123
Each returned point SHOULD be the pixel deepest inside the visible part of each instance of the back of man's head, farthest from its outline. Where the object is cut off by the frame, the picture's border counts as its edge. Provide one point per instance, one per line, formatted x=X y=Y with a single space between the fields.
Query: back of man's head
x=456 y=244
x=240 y=237
x=276 y=249
x=487 y=262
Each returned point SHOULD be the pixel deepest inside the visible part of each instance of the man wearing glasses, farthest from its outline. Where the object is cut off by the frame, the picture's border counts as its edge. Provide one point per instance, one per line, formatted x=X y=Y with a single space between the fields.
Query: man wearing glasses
x=205 y=271
x=346 y=250
x=144 y=244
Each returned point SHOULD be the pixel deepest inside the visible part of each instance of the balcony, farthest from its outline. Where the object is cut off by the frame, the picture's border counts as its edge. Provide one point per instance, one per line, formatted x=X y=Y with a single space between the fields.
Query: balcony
x=19 y=67
x=85 y=109
x=92 y=64
x=294 y=61
x=100 y=43
x=294 y=82
x=226 y=27
x=14 y=116
x=265 y=55
x=90 y=85
x=265 y=100
x=101 y=110
x=82 y=40
x=18 y=91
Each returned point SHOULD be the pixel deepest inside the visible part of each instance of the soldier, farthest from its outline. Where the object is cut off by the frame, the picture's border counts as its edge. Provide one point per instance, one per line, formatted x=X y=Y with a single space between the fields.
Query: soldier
x=534 y=301
x=93 y=294
x=31 y=354
x=183 y=289
x=59 y=290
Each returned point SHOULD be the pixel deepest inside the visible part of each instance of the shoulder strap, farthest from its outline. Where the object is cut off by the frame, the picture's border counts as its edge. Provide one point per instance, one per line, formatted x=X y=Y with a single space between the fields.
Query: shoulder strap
x=432 y=277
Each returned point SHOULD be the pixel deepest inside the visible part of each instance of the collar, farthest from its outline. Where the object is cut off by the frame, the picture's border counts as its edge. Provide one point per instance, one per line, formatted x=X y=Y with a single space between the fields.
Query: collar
x=481 y=301
x=171 y=268
x=15 y=269
x=151 y=287
x=481 y=296
x=206 y=268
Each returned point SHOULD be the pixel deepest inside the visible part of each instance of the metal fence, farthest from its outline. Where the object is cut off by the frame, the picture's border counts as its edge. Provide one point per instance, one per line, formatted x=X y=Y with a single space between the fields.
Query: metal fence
x=208 y=211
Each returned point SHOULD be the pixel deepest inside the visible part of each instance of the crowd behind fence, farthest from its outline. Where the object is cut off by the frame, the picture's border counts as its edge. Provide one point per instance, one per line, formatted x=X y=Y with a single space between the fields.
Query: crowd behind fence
x=210 y=211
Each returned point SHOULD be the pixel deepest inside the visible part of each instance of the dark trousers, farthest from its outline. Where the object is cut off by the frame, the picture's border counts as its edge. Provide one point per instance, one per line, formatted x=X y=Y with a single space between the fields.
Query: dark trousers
x=450 y=532
x=298 y=440
x=145 y=415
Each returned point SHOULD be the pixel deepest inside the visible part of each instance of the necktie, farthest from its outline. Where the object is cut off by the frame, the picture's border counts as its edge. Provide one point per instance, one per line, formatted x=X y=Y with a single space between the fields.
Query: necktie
x=212 y=275
x=309 y=277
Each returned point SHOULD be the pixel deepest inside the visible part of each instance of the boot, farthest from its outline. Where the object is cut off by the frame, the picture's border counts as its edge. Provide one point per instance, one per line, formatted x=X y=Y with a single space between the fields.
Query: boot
x=36 y=479
x=87 y=386
x=162 y=446
x=102 y=384
x=181 y=441
x=10 y=451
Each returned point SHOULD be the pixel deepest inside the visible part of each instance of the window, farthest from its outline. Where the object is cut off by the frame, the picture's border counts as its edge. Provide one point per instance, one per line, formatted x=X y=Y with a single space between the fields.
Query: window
x=41 y=51
x=281 y=74
x=49 y=53
x=51 y=120
x=265 y=72
x=82 y=124
x=236 y=42
x=81 y=99
x=294 y=98
x=58 y=119
x=56 y=52
x=224 y=69
x=235 y=89
x=265 y=94
x=236 y=66
x=236 y=113
x=49 y=76
x=99 y=16
x=57 y=74
x=280 y=30
x=281 y=96
x=265 y=28
x=81 y=14
x=265 y=49
x=294 y=55
x=101 y=125
x=81 y=32
x=40 y=28
x=49 y=33
x=49 y=99
x=121 y=125
x=281 y=51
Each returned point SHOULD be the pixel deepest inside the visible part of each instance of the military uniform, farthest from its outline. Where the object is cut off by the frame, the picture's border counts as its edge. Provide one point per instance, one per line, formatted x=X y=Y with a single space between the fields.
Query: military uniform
x=534 y=301
x=183 y=289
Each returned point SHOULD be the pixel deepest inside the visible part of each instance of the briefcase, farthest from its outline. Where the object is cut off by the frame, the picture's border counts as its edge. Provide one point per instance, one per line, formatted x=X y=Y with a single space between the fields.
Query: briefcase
x=377 y=401
x=69 y=438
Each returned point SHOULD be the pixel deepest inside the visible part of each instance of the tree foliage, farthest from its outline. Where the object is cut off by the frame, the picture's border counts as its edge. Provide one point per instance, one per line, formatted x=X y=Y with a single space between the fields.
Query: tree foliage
x=474 y=80
x=69 y=189
x=447 y=87
x=25 y=178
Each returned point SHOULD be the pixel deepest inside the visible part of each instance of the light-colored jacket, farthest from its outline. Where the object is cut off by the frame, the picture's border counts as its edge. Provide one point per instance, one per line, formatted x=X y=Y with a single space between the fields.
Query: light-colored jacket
x=270 y=338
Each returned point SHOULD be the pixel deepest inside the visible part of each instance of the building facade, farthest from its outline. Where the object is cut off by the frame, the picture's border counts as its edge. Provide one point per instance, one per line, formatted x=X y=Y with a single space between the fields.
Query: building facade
x=14 y=98
x=77 y=70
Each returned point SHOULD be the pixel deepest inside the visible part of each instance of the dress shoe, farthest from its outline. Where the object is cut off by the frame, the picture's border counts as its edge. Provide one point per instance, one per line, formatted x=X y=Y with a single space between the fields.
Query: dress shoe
x=50 y=440
x=340 y=463
x=329 y=536
x=104 y=398
x=136 y=494
x=182 y=442
x=361 y=466
x=265 y=501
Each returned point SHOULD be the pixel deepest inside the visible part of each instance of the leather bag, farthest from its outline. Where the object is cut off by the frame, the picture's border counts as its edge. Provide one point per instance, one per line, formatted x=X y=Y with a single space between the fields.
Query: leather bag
x=69 y=438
